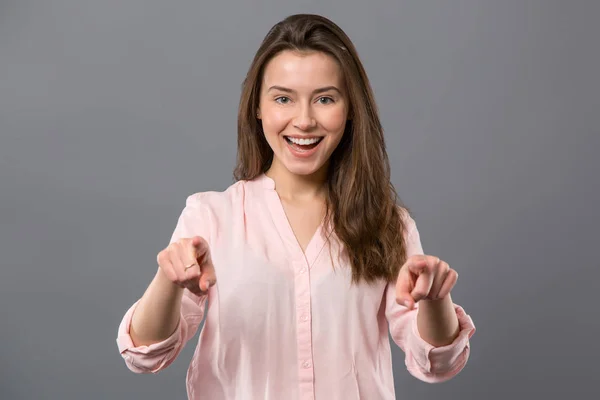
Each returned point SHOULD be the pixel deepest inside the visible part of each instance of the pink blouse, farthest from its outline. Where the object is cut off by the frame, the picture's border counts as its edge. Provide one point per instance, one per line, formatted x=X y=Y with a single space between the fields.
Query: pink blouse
x=286 y=324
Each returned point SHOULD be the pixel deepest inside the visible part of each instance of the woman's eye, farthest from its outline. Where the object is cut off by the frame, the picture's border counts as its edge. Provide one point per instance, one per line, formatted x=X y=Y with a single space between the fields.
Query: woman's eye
x=325 y=100
x=282 y=100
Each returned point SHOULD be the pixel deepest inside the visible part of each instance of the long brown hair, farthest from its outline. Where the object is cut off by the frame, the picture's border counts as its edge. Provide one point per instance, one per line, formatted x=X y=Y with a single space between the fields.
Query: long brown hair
x=362 y=203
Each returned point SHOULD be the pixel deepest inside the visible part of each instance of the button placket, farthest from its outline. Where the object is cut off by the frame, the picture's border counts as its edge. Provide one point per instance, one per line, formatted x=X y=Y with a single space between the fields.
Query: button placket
x=303 y=328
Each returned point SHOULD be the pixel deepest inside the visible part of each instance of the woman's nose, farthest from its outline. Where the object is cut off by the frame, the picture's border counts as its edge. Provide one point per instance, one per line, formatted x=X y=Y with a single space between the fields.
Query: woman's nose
x=304 y=120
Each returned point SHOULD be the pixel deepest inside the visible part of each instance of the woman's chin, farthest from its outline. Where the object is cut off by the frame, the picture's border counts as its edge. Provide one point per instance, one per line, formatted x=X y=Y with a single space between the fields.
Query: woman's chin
x=299 y=166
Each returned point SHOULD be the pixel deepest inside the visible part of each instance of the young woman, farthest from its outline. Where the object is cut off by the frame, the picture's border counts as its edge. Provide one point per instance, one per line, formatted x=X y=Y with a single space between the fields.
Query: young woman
x=306 y=264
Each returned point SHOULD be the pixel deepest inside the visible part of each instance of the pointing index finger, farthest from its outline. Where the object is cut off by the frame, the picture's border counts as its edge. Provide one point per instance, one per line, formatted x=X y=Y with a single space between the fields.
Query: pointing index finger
x=199 y=247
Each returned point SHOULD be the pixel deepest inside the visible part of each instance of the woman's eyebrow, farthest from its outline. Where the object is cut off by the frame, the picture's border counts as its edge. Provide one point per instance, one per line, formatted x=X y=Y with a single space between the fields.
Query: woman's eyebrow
x=319 y=90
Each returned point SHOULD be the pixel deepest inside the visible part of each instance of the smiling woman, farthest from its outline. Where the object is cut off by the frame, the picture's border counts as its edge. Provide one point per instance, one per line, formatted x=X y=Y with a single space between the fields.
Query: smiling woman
x=305 y=265
x=303 y=110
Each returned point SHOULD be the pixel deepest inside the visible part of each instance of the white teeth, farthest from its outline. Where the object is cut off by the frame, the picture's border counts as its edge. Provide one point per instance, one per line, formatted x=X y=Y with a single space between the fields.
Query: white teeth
x=304 y=142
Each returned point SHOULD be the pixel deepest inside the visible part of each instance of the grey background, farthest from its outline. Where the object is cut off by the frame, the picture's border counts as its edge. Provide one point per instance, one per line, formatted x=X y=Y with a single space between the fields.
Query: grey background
x=112 y=112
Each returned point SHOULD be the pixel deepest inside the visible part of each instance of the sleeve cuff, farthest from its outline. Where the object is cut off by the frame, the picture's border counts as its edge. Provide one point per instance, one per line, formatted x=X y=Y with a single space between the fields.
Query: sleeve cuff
x=125 y=343
x=444 y=360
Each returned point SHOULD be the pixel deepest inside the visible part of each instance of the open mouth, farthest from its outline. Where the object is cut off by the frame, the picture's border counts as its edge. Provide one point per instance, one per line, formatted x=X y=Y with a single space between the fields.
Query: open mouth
x=304 y=144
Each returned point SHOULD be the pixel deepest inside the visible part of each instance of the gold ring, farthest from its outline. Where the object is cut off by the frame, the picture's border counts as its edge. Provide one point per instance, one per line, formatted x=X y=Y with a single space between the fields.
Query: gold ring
x=189 y=266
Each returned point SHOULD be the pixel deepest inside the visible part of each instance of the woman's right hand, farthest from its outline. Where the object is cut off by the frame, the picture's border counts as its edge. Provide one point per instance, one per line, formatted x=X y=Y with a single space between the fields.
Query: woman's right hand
x=187 y=263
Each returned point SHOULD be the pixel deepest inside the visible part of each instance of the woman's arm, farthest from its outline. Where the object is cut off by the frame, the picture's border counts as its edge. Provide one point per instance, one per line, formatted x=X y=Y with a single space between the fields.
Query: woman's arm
x=157 y=313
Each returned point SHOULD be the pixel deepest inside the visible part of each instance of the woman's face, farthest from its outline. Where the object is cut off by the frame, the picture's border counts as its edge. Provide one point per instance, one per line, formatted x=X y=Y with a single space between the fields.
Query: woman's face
x=303 y=108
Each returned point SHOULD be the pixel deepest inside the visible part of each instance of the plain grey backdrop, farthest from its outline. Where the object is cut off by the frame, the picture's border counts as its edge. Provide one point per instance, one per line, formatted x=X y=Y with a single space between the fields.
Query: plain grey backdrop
x=113 y=112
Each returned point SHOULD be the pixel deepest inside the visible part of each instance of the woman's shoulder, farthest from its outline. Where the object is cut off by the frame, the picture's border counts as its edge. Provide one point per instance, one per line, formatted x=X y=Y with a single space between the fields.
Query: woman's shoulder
x=219 y=199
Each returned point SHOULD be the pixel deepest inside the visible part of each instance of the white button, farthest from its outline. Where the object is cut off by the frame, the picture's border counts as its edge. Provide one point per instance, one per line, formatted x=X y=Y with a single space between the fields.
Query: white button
x=304 y=317
x=302 y=270
x=306 y=364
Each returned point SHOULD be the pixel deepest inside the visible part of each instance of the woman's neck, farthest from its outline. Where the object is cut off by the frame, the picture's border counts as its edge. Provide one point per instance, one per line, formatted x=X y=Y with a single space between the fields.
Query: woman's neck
x=293 y=187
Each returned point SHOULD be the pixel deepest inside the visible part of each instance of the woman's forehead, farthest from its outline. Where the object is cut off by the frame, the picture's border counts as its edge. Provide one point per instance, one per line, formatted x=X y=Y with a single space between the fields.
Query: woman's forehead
x=300 y=71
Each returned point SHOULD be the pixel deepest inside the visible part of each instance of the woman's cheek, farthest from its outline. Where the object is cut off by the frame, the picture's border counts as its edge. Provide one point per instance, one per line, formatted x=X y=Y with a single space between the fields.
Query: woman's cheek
x=336 y=120
x=276 y=121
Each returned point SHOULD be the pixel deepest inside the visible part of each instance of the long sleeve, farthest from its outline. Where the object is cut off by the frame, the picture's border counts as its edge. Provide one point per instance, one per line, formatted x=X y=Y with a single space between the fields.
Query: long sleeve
x=194 y=220
x=424 y=361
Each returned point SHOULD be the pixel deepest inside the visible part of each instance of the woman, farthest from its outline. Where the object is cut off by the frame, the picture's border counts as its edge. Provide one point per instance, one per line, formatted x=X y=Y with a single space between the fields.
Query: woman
x=305 y=264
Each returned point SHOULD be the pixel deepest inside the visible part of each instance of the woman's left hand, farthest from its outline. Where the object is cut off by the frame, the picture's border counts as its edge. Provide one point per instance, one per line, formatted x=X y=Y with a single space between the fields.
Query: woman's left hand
x=424 y=277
